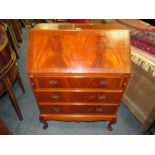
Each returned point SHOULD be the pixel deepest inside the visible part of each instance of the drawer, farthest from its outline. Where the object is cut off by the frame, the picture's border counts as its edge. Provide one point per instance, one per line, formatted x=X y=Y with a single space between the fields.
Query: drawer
x=78 y=109
x=107 y=97
x=76 y=82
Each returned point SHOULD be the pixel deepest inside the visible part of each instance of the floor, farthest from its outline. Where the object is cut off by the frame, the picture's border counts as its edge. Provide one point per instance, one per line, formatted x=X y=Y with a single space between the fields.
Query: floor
x=127 y=124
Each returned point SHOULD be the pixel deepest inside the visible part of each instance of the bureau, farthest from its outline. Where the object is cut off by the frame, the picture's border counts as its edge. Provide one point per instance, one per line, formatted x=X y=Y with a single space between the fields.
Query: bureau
x=78 y=72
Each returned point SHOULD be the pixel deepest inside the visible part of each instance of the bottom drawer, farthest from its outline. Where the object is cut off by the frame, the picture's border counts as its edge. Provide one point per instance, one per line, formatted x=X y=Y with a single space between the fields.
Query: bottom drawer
x=78 y=109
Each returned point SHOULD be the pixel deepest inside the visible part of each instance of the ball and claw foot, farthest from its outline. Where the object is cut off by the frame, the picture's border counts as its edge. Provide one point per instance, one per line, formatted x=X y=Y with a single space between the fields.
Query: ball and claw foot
x=109 y=127
x=45 y=126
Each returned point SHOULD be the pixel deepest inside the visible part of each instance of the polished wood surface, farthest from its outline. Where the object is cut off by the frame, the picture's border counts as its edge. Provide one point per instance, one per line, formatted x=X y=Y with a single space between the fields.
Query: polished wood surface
x=17 y=29
x=79 y=109
x=6 y=56
x=12 y=74
x=9 y=72
x=58 y=48
x=78 y=72
x=76 y=82
x=76 y=117
x=70 y=96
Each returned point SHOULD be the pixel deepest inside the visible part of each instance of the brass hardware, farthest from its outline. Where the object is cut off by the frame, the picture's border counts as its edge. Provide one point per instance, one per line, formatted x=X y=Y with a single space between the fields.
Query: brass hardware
x=32 y=81
x=56 y=108
x=103 y=82
x=125 y=81
x=102 y=97
x=124 y=84
x=99 y=109
x=53 y=82
x=55 y=96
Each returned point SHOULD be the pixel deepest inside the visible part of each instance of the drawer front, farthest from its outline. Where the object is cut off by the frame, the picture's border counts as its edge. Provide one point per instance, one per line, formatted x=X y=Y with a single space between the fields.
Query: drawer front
x=78 y=109
x=43 y=96
x=76 y=82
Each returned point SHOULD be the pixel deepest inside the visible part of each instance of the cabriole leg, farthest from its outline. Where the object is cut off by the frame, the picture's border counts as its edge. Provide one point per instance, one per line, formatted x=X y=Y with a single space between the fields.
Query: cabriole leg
x=109 y=127
x=45 y=126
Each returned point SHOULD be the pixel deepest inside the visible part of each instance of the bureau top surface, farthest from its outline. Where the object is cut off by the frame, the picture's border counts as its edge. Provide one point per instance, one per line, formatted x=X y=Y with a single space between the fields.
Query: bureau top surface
x=78 y=48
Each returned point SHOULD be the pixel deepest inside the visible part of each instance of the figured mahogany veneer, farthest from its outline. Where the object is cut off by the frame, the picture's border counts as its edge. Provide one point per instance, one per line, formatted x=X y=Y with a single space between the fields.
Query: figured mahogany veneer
x=70 y=96
x=79 y=109
x=76 y=82
x=78 y=72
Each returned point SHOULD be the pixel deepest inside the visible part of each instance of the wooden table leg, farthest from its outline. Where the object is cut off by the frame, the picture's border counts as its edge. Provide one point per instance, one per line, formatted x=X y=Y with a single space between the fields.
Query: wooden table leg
x=12 y=97
x=20 y=82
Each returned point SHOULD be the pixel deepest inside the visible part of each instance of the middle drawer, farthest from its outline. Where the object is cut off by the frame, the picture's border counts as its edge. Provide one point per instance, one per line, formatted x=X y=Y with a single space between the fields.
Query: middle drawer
x=47 y=96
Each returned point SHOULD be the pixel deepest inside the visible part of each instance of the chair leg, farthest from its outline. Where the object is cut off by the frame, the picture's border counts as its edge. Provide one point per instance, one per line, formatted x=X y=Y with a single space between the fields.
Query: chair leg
x=12 y=98
x=17 y=54
x=20 y=82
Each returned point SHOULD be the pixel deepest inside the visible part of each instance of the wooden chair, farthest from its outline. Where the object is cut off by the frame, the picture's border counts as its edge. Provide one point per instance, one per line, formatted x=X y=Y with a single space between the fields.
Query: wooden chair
x=7 y=79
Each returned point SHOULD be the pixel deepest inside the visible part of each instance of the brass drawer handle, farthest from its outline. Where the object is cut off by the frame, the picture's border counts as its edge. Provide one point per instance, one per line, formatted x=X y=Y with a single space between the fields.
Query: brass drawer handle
x=32 y=83
x=55 y=96
x=103 y=82
x=53 y=82
x=57 y=108
x=99 y=109
x=102 y=97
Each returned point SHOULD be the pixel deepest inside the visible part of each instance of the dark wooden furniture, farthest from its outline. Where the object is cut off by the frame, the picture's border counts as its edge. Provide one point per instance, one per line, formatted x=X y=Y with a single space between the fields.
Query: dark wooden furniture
x=13 y=30
x=78 y=72
x=9 y=71
x=4 y=130
x=17 y=29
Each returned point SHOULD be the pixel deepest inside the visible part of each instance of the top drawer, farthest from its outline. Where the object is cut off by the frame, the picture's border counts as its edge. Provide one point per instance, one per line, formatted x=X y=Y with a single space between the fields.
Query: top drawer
x=76 y=82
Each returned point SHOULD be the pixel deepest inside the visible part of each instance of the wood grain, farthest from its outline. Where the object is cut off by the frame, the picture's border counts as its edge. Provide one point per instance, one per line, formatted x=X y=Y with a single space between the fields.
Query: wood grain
x=76 y=82
x=79 y=109
x=80 y=50
x=47 y=96
x=78 y=117
x=78 y=72
x=8 y=71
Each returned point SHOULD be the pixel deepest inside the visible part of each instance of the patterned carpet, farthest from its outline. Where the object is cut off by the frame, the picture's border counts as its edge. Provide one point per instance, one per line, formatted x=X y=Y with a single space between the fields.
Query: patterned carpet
x=127 y=124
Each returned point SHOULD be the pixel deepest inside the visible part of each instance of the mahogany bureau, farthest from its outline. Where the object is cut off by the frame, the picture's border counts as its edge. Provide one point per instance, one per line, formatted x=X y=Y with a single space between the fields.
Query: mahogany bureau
x=78 y=72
